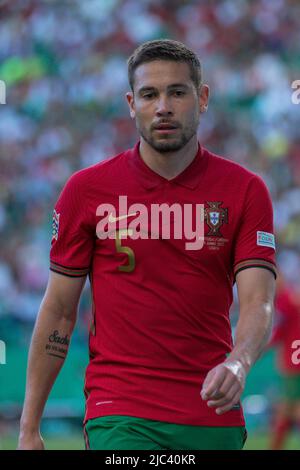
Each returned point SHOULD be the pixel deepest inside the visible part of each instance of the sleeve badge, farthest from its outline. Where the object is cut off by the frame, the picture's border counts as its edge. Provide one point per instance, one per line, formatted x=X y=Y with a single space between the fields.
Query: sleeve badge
x=55 y=225
x=266 y=239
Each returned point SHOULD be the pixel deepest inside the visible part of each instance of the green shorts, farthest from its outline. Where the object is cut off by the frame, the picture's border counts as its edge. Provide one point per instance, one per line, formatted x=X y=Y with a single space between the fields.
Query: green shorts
x=291 y=387
x=129 y=433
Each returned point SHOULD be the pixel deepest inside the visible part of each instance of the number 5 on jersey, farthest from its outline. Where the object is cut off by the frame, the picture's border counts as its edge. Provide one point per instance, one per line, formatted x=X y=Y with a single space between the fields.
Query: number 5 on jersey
x=129 y=267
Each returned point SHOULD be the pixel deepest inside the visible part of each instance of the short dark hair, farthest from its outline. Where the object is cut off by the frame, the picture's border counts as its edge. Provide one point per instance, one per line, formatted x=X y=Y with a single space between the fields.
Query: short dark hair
x=164 y=49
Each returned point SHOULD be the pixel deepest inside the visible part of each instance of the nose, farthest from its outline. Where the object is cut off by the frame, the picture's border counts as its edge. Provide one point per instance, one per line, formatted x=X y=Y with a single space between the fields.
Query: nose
x=163 y=107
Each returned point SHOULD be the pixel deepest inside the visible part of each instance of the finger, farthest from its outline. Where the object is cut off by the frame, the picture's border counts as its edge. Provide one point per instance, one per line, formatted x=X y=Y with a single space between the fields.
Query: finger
x=235 y=388
x=211 y=386
x=226 y=386
x=225 y=408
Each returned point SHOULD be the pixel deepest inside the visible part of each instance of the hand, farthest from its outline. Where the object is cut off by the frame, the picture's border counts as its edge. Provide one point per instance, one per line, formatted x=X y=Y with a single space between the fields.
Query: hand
x=30 y=441
x=224 y=385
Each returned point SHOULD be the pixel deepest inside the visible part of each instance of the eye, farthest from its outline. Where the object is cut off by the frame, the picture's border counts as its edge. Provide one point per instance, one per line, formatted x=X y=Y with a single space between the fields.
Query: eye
x=148 y=96
x=179 y=93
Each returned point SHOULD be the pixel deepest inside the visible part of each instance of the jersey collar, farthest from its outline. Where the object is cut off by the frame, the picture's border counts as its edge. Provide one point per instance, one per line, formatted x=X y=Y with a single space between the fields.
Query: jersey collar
x=188 y=178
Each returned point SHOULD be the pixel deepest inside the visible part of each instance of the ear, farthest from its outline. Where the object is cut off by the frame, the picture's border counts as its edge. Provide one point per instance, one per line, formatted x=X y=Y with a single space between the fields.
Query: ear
x=130 y=101
x=203 y=98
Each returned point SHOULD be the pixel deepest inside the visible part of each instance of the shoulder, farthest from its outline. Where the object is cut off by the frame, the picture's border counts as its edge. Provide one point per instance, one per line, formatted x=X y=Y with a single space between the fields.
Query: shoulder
x=226 y=166
x=98 y=173
x=234 y=174
x=106 y=167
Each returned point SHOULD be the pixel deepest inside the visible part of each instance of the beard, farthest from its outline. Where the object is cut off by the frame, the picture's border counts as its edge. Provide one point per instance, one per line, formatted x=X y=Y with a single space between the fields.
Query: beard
x=171 y=143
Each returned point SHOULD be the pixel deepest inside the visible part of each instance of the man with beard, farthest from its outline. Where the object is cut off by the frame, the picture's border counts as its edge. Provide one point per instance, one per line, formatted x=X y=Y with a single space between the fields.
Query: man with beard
x=163 y=370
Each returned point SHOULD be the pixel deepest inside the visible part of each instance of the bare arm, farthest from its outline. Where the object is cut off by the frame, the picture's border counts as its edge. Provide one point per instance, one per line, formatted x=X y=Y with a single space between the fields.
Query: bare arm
x=48 y=350
x=225 y=383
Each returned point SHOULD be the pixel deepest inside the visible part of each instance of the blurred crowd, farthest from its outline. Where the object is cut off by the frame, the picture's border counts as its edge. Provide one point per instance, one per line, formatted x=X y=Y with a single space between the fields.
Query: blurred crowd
x=64 y=66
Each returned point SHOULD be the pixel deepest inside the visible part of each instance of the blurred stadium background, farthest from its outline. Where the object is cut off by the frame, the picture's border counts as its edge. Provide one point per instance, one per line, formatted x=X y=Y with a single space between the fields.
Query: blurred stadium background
x=64 y=66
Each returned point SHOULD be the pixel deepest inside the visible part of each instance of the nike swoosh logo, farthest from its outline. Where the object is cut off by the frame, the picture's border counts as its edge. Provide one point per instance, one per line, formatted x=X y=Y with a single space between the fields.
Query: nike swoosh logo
x=113 y=219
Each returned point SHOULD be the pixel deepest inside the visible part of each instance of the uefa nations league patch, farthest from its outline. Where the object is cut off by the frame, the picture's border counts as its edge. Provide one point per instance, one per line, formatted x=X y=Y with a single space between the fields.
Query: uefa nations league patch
x=55 y=225
x=266 y=239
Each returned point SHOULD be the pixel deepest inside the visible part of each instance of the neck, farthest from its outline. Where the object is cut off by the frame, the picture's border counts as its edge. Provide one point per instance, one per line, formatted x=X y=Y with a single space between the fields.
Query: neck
x=169 y=164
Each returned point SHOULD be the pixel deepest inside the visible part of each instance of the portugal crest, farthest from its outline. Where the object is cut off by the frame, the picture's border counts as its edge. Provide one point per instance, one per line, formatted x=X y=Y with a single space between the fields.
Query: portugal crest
x=215 y=217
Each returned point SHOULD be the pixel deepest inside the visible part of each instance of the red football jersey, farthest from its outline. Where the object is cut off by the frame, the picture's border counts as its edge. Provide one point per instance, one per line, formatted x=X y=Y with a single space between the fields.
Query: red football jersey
x=161 y=311
x=286 y=333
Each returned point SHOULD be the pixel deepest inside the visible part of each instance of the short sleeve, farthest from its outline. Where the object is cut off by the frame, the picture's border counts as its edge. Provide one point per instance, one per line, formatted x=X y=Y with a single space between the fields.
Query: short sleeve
x=255 y=241
x=72 y=231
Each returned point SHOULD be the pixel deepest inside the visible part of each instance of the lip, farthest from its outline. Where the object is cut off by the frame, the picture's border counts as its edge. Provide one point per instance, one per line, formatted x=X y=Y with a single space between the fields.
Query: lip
x=165 y=125
x=167 y=130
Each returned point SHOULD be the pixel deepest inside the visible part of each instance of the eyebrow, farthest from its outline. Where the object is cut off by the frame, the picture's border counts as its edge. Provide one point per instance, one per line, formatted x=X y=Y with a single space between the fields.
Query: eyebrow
x=169 y=87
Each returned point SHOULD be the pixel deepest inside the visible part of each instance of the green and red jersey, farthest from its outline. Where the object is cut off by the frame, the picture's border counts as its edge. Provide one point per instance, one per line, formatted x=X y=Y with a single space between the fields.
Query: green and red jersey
x=161 y=312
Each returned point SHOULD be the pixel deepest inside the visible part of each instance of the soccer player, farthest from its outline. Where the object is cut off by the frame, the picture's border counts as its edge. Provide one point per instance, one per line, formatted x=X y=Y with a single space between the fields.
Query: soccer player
x=286 y=337
x=163 y=230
